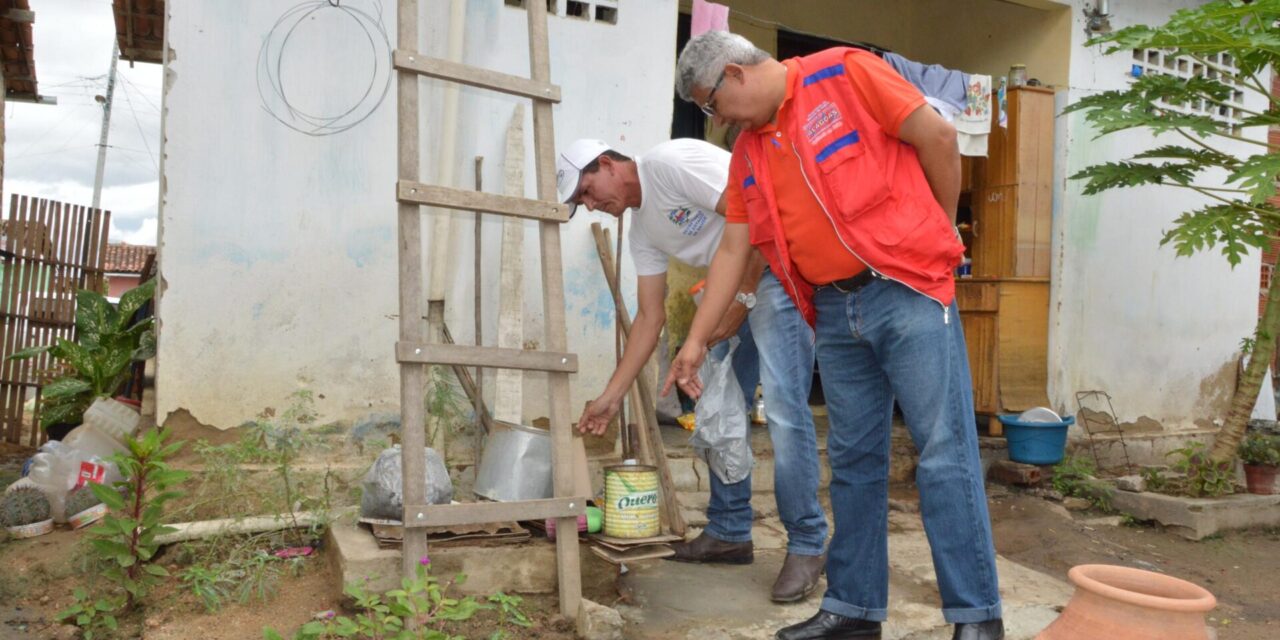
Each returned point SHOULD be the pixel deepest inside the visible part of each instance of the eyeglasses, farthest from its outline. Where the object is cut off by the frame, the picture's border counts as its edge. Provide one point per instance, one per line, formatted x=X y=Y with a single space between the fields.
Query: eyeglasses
x=708 y=107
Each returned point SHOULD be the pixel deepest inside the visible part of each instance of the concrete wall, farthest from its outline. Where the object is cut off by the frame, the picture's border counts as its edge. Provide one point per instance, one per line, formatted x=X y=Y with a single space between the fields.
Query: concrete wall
x=1160 y=333
x=279 y=249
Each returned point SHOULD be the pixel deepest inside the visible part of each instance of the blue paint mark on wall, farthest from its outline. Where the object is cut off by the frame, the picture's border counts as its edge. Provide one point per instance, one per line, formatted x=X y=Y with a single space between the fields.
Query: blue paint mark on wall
x=368 y=245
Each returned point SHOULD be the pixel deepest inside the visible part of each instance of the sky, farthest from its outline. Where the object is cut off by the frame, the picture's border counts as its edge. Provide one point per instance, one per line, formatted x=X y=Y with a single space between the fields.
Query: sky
x=52 y=151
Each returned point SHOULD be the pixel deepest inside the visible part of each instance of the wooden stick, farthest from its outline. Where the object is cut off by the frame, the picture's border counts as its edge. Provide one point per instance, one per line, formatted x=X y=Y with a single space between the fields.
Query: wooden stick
x=624 y=427
x=471 y=387
x=477 y=396
x=647 y=410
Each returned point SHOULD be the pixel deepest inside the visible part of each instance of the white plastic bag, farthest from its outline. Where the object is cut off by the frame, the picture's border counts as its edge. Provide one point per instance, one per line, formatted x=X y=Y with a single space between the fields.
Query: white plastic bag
x=722 y=436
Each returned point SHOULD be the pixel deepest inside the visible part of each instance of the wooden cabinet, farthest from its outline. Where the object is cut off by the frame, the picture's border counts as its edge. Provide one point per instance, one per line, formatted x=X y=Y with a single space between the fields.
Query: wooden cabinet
x=1004 y=307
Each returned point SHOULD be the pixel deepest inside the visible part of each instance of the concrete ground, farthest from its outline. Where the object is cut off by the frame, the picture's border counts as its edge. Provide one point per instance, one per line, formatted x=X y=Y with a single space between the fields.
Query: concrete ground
x=671 y=600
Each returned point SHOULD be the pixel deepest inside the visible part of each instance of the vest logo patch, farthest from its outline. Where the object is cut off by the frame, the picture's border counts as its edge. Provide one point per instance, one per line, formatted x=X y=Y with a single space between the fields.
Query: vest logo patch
x=820 y=122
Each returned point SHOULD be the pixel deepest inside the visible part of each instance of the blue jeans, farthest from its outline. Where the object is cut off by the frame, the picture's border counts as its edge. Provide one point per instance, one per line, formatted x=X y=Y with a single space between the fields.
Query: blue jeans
x=776 y=347
x=879 y=343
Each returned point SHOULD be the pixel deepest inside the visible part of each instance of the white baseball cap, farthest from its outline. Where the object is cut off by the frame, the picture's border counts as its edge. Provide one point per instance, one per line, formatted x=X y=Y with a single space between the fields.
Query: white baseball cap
x=569 y=165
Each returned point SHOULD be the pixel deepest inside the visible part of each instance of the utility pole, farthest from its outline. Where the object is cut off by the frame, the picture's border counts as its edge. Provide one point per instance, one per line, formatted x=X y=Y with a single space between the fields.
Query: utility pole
x=106 y=125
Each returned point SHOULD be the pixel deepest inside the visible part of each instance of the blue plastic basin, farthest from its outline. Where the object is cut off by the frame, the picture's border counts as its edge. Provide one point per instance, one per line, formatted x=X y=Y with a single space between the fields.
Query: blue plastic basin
x=1036 y=442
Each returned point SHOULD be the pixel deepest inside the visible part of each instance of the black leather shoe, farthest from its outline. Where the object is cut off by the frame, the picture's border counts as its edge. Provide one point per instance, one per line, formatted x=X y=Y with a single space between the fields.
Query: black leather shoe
x=989 y=630
x=704 y=548
x=829 y=626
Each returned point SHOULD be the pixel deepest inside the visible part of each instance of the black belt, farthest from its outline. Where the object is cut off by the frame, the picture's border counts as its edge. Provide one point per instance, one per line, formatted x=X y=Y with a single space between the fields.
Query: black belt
x=849 y=285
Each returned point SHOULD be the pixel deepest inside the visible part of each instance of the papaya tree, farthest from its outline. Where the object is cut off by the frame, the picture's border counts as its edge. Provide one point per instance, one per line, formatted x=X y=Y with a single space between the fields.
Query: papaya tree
x=1233 y=214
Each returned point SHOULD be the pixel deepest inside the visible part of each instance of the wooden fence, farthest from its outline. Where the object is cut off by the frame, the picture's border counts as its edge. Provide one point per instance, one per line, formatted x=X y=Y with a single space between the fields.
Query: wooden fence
x=50 y=250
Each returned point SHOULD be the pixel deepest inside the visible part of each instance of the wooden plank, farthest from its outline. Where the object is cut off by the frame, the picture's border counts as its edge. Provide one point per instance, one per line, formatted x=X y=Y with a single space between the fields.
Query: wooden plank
x=494 y=357
x=444 y=515
x=508 y=390
x=567 y=558
x=474 y=76
x=412 y=329
x=11 y=415
x=409 y=192
x=477 y=384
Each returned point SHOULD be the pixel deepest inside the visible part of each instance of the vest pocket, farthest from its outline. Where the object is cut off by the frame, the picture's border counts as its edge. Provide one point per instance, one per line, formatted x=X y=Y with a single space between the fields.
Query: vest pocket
x=854 y=178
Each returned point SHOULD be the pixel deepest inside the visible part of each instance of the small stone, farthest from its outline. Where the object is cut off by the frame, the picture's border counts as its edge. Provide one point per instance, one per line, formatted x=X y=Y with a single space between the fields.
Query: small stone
x=66 y=632
x=1107 y=521
x=1076 y=504
x=598 y=622
x=44 y=599
x=1134 y=484
x=153 y=623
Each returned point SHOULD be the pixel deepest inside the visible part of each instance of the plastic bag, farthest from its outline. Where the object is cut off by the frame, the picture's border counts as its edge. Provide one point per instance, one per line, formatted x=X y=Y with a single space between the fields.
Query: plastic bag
x=382 y=497
x=722 y=435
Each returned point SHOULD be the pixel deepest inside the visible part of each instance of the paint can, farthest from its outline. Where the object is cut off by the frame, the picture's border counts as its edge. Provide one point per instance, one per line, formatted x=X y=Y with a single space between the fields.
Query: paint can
x=631 y=501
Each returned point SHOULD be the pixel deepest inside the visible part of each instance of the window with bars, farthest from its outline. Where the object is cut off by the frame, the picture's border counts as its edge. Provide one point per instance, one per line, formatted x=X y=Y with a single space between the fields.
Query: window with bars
x=604 y=11
x=1220 y=67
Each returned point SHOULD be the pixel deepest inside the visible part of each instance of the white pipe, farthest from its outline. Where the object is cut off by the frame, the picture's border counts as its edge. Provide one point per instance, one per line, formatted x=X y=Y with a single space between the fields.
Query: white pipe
x=440 y=235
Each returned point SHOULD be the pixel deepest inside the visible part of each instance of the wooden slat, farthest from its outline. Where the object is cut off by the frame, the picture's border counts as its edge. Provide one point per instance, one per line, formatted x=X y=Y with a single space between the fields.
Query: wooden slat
x=475 y=76
x=447 y=515
x=493 y=357
x=412 y=329
x=409 y=192
x=567 y=559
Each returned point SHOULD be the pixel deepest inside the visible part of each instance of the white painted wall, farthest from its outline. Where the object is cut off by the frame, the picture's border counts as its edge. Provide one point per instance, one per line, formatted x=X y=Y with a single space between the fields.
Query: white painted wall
x=279 y=249
x=1160 y=333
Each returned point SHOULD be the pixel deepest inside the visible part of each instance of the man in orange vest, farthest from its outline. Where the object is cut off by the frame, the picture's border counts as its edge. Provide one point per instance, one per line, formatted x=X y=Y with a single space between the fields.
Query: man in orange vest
x=847 y=183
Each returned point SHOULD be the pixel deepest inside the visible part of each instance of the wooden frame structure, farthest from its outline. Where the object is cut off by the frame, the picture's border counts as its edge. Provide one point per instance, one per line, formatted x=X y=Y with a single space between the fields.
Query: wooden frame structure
x=421 y=344
x=49 y=251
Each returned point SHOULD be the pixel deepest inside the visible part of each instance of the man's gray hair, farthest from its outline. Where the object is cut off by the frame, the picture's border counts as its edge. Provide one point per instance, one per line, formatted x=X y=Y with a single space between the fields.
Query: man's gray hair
x=705 y=56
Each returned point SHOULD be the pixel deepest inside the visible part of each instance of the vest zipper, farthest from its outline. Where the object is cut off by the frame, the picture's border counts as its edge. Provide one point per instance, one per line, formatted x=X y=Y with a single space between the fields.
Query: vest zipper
x=786 y=272
x=946 y=312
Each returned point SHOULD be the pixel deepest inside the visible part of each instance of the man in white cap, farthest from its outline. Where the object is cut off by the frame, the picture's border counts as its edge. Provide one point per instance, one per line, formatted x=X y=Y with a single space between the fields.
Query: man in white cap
x=676 y=194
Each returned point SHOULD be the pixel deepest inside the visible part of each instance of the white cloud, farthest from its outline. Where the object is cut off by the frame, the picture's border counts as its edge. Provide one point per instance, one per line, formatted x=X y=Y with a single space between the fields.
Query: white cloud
x=51 y=151
x=146 y=234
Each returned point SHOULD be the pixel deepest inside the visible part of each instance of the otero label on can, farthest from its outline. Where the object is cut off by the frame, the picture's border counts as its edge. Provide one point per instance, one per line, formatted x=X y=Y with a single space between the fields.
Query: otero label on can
x=631 y=501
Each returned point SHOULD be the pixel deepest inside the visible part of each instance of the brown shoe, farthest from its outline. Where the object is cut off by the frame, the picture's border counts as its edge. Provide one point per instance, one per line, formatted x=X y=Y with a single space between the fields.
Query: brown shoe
x=798 y=577
x=704 y=548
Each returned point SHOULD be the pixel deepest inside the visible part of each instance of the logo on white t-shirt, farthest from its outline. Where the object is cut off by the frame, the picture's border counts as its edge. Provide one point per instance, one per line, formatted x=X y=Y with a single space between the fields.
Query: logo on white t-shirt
x=690 y=221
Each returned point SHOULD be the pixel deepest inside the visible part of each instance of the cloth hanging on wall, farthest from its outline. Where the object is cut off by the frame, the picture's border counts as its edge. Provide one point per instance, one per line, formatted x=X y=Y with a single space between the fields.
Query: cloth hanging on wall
x=708 y=16
x=973 y=125
x=955 y=96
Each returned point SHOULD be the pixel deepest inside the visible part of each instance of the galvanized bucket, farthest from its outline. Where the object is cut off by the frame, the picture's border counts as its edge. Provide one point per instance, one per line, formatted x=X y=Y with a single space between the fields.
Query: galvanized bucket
x=516 y=464
x=631 y=501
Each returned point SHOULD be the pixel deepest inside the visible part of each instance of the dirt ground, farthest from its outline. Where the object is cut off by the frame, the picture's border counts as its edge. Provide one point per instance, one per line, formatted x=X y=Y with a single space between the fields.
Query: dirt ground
x=1238 y=568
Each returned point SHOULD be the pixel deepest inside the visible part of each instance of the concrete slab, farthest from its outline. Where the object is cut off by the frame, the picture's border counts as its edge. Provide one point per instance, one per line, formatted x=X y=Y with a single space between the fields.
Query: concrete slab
x=678 y=601
x=1196 y=518
x=529 y=567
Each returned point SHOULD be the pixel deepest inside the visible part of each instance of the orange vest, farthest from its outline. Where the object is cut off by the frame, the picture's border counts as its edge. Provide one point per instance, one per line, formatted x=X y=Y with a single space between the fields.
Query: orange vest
x=877 y=199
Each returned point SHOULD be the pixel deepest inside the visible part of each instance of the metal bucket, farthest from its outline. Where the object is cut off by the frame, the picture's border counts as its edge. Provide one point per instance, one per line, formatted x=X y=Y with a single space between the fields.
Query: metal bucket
x=515 y=465
x=631 y=501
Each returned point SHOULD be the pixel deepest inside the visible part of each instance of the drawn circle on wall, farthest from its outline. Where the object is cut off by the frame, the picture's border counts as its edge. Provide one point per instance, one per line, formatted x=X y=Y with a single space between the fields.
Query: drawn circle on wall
x=351 y=32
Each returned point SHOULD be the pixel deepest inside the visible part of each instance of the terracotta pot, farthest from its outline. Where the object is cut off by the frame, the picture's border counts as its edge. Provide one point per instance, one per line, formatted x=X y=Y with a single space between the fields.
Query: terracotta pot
x=1119 y=602
x=1260 y=478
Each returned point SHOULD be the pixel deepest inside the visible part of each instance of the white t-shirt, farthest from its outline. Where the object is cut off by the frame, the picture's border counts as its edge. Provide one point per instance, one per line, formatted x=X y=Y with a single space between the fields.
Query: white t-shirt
x=680 y=184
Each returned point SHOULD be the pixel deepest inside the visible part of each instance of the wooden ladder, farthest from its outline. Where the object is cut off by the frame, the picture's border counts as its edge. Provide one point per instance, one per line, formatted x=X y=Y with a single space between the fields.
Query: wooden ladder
x=415 y=350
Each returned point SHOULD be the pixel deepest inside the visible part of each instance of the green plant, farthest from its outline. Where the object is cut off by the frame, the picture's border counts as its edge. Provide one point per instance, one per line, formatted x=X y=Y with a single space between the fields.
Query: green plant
x=1153 y=478
x=1205 y=477
x=93 y=615
x=1238 y=216
x=126 y=536
x=108 y=342
x=1076 y=476
x=24 y=505
x=209 y=584
x=1261 y=449
x=79 y=499
x=509 y=609
x=415 y=610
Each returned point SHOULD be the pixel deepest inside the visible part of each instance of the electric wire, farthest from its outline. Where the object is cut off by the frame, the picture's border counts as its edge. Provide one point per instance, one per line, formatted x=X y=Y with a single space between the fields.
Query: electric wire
x=271 y=90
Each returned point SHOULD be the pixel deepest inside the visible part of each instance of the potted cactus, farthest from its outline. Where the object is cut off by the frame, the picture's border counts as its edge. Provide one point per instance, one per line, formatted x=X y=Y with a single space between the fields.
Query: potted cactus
x=1260 y=453
x=84 y=506
x=24 y=512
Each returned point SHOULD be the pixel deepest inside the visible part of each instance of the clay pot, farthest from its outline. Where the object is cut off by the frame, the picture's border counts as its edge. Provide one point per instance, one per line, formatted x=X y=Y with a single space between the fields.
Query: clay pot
x=1260 y=478
x=1119 y=602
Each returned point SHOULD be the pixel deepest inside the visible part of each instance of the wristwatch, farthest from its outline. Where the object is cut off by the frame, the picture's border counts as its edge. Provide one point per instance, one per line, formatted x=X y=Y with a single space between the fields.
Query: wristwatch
x=747 y=300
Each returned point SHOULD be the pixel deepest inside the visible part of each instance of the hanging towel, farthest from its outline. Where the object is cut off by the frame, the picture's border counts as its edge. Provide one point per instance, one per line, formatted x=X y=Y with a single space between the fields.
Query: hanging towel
x=933 y=80
x=973 y=125
x=708 y=16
